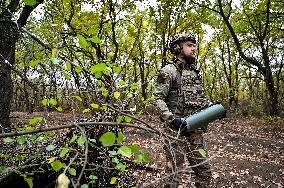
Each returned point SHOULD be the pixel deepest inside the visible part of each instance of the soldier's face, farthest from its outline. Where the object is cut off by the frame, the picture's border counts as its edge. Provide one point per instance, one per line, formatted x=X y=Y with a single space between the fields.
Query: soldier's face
x=188 y=49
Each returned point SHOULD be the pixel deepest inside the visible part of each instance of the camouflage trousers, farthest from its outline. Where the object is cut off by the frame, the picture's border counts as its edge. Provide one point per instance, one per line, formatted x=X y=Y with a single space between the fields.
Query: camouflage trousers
x=187 y=161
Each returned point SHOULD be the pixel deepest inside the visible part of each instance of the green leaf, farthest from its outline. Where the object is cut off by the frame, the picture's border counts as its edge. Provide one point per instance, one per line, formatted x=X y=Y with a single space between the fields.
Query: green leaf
x=98 y=74
x=50 y=147
x=98 y=67
x=21 y=139
x=34 y=63
x=202 y=152
x=115 y=160
x=116 y=94
x=121 y=167
x=78 y=69
x=124 y=151
x=116 y=69
x=83 y=43
x=95 y=39
x=44 y=102
x=134 y=86
x=29 y=181
x=66 y=76
x=66 y=1
x=63 y=152
x=8 y=140
x=54 y=60
x=84 y=186
x=119 y=138
x=72 y=171
x=86 y=110
x=73 y=139
x=146 y=157
x=59 y=109
x=134 y=148
x=127 y=119
x=113 y=180
x=81 y=140
x=68 y=66
x=54 y=52
x=30 y=2
x=94 y=106
x=107 y=71
x=121 y=82
x=138 y=158
x=53 y=102
x=33 y=137
x=119 y=119
x=19 y=157
x=51 y=159
x=79 y=98
x=92 y=177
x=108 y=139
x=35 y=120
x=57 y=165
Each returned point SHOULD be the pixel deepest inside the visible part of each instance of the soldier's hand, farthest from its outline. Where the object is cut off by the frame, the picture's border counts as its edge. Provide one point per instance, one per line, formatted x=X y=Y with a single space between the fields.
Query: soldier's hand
x=178 y=123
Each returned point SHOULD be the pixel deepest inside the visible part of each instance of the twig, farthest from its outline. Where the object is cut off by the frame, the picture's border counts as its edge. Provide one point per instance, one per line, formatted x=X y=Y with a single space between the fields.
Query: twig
x=71 y=161
x=82 y=129
x=4 y=135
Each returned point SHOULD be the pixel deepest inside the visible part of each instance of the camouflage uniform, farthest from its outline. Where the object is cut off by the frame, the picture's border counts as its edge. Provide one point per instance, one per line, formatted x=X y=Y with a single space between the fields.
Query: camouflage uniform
x=179 y=92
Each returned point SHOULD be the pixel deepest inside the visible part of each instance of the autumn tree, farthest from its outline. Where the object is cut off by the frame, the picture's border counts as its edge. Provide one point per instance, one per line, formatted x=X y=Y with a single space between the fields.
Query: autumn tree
x=257 y=34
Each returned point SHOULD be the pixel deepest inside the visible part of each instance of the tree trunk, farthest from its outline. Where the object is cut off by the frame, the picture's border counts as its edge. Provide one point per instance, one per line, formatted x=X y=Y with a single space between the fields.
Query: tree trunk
x=8 y=37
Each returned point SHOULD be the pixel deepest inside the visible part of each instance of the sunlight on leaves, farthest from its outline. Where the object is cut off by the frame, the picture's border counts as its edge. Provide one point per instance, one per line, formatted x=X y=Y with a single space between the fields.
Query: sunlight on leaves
x=124 y=151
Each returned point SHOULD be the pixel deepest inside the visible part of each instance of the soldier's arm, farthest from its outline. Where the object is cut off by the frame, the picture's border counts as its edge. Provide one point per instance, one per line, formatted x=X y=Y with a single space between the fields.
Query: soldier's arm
x=163 y=85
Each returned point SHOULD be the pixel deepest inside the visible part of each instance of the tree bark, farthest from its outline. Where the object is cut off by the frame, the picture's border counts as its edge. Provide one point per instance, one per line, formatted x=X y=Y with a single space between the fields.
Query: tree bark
x=8 y=36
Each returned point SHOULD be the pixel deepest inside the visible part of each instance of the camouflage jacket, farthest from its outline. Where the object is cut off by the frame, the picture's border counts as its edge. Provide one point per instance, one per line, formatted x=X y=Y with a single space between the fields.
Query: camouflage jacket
x=179 y=91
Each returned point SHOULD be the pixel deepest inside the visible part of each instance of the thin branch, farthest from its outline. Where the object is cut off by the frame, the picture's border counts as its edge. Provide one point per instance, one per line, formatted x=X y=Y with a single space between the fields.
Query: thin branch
x=82 y=129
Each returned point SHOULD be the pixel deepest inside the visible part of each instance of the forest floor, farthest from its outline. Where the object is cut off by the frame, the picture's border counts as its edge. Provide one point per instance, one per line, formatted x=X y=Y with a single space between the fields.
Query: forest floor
x=244 y=152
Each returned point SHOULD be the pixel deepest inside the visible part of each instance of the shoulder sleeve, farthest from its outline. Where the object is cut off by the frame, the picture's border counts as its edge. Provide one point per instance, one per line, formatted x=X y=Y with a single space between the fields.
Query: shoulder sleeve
x=163 y=84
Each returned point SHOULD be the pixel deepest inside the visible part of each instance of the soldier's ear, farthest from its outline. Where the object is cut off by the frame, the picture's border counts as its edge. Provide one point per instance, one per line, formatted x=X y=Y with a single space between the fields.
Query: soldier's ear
x=176 y=49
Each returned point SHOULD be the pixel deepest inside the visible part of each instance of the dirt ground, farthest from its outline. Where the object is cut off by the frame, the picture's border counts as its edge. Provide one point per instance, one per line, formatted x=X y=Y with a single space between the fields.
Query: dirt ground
x=244 y=152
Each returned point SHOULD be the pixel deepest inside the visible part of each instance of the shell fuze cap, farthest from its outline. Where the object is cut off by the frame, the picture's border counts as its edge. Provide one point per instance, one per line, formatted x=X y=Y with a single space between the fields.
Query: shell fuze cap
x=181 y=37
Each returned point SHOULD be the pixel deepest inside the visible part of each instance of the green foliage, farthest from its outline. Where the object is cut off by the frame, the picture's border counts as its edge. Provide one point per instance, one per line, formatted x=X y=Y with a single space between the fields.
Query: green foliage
x=30 y=2
x=57 y=165
x=35 y=120
x=125 y=151
x=108 y=139
x=72 y=171
x=202 y=152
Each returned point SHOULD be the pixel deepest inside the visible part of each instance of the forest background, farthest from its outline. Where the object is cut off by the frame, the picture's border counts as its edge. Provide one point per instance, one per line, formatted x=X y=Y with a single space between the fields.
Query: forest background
x=81 y=56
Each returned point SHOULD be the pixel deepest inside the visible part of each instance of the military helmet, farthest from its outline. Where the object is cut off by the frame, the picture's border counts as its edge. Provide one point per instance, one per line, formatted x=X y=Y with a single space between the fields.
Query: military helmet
x=180 y=37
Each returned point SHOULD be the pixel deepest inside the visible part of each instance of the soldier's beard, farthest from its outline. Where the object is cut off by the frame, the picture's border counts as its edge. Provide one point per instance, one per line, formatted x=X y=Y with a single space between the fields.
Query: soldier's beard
x=189 y=59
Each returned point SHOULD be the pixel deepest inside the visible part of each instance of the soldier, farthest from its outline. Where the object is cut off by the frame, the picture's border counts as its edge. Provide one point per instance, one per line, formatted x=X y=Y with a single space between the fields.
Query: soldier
x=179 y=93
